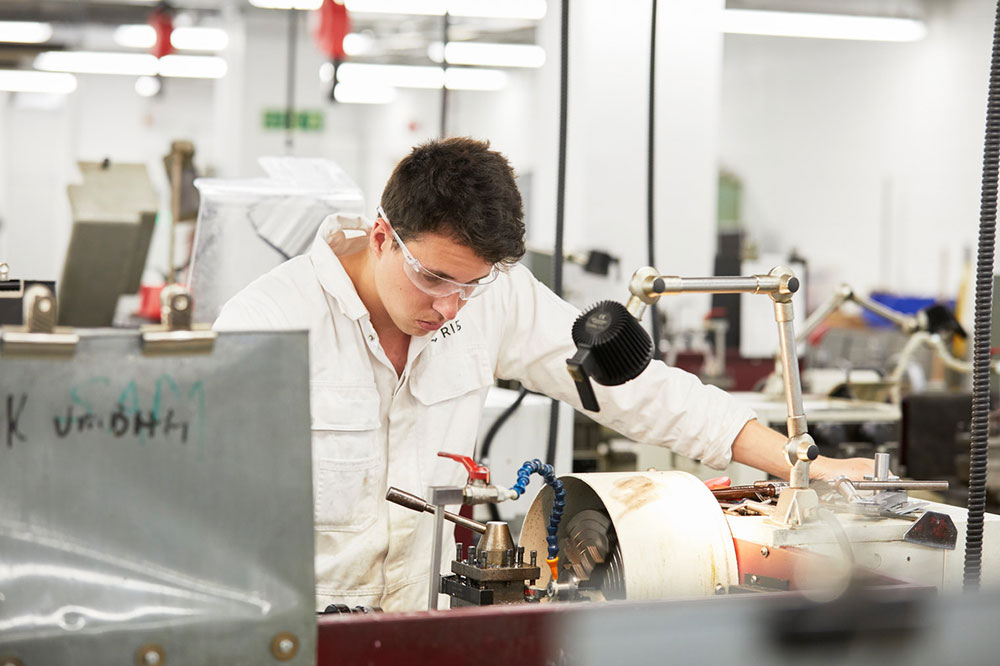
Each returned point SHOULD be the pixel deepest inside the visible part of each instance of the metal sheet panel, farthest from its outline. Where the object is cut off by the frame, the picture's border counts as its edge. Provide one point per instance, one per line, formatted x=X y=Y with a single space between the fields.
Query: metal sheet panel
x=162 y=501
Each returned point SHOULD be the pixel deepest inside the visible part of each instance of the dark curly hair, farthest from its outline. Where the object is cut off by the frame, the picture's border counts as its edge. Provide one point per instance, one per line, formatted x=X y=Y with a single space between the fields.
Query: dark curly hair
x=461 y=188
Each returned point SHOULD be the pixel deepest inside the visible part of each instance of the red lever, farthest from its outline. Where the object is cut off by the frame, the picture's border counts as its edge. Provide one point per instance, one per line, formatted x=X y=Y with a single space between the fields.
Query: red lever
x=718 y=482
x=475 y=470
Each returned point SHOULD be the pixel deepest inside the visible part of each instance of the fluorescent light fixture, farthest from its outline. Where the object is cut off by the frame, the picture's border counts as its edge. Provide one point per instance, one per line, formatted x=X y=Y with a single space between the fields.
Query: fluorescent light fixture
x=415 y=76
x=359 y=93
x=25 y=32
x=356 y=44
x=147 y=86
x=474 y=78
x=131 y=64
x=183 y=39
x=287 y=4
x=193 y=67
x=822 y=26
x=27 y=81
x=416 y=7
x=96 y=62
x=509 y=9
x=490 y=55
x=399 y=76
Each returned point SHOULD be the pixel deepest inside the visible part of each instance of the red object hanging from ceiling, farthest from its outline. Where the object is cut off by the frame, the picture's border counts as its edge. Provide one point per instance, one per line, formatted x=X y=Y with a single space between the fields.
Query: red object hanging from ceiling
x=162 y=20
x=331 y=28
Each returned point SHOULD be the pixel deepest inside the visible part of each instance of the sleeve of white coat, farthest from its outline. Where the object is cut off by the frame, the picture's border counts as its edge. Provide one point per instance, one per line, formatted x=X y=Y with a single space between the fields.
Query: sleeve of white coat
x=255 y=308
x=663 y=406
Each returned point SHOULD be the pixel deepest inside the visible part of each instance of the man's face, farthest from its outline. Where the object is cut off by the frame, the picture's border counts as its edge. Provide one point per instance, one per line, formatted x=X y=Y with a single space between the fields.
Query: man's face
x=413 y=311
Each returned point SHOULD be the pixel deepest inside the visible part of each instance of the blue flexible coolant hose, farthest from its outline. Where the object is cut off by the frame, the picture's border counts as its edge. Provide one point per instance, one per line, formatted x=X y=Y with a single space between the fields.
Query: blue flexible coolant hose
x=558 y=503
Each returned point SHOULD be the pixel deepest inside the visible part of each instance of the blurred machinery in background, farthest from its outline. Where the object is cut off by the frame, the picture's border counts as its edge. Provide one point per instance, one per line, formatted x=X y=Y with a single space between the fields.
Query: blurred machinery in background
x=114 y=213
x=247 y=227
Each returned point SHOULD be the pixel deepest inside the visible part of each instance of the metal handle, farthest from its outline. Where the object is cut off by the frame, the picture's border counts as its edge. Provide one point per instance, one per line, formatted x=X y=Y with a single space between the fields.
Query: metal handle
x=403 y=498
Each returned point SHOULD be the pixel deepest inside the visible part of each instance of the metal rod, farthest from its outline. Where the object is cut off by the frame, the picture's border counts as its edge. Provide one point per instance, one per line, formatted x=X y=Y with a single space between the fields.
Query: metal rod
x=176 y=174
x=293 y=43
x=755 y=284
x=790 y=374
x=403 y=498
x=434 y=584
x=905 y=322
x=445 y=24
x=900 y=485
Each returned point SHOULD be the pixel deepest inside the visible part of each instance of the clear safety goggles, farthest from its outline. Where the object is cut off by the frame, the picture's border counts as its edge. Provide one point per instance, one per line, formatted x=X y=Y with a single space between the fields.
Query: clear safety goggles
x=430 y=282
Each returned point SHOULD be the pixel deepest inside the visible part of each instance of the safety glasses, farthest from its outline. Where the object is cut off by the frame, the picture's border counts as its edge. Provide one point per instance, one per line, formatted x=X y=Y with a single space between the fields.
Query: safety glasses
x=430 y=282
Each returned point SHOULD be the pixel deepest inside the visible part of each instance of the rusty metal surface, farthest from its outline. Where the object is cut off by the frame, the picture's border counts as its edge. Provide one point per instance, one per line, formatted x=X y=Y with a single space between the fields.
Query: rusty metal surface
x=935 y=530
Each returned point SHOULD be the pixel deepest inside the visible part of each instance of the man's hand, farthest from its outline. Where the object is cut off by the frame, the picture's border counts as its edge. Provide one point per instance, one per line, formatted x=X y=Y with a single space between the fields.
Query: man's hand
x=853 y=468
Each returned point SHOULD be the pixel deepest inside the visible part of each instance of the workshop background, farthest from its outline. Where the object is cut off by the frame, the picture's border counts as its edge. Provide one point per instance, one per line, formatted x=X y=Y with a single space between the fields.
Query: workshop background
x=863 y=156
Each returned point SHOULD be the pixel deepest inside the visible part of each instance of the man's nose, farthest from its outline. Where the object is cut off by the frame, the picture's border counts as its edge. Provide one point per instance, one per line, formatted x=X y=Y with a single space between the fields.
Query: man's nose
x=448 y=306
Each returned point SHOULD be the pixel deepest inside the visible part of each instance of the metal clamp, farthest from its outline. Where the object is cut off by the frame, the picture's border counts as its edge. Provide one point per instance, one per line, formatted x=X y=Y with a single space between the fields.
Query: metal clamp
x=177 y=335
x=39 y=336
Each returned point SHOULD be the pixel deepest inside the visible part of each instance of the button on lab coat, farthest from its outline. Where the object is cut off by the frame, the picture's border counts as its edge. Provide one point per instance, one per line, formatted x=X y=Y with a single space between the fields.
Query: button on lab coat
x=372 y=429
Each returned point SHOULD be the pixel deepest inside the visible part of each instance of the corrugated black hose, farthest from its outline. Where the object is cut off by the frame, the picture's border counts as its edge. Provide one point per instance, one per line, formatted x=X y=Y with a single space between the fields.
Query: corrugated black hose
x=981 y=344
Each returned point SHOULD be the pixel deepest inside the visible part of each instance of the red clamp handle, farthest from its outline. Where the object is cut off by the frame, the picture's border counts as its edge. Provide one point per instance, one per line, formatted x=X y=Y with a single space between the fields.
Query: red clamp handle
x=718 y=483
x=476 y=471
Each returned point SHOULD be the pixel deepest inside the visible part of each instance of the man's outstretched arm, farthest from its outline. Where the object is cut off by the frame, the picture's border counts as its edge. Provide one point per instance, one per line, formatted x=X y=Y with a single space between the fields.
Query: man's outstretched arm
x=760 y=447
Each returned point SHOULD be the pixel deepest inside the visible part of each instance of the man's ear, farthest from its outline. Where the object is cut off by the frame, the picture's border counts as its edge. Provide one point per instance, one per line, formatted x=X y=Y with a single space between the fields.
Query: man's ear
x=380 y=239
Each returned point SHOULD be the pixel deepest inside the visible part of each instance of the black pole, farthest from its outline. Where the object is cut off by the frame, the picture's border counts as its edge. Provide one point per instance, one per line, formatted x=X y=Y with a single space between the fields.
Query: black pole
x=650 y=182
x=557 y=253
x=443 y=131
x=293 y=39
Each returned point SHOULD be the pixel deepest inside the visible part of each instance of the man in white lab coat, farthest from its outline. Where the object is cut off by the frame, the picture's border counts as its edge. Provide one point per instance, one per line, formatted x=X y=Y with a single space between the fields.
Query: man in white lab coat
x=410 y=321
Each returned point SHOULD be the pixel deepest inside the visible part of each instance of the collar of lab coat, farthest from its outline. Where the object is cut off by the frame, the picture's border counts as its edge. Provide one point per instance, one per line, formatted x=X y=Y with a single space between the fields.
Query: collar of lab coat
x=334 y=240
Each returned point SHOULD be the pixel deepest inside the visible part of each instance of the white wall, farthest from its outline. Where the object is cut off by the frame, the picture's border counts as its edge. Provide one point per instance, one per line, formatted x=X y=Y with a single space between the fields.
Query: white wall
x=865 y=157
x=103 y=118
x=607 y=138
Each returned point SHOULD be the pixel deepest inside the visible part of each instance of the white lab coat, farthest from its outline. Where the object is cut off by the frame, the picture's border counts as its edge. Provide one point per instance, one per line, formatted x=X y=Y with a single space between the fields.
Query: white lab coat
x=372 y=429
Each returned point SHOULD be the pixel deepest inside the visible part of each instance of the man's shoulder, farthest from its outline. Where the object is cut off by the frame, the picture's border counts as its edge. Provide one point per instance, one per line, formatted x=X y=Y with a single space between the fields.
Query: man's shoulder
x=276 y=299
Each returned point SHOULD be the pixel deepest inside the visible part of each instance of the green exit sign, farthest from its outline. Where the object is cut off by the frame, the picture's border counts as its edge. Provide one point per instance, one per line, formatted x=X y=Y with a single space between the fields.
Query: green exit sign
x=303 y=121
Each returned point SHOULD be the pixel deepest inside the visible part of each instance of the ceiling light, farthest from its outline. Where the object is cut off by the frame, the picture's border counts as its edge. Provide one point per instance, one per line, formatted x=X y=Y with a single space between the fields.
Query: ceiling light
x=357 y=43
x=491 y=55
x=400 y=76
x=16 y=80
x=147 y=86
x=131 y=64
x=135 y=36
x=25 y=32
x=415 y=76
x=193 y=67
x=358 y=93
x=183 y=39
x=418 y=7
x=96 y=62
x=473 y=78
x=287 y=4
x=511 y=9
x=822 y=26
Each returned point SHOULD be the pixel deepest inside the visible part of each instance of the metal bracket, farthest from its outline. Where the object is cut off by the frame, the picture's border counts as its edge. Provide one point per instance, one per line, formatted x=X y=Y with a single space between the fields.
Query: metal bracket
x=39 y=336
x=177 y=335
x=796 y=506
